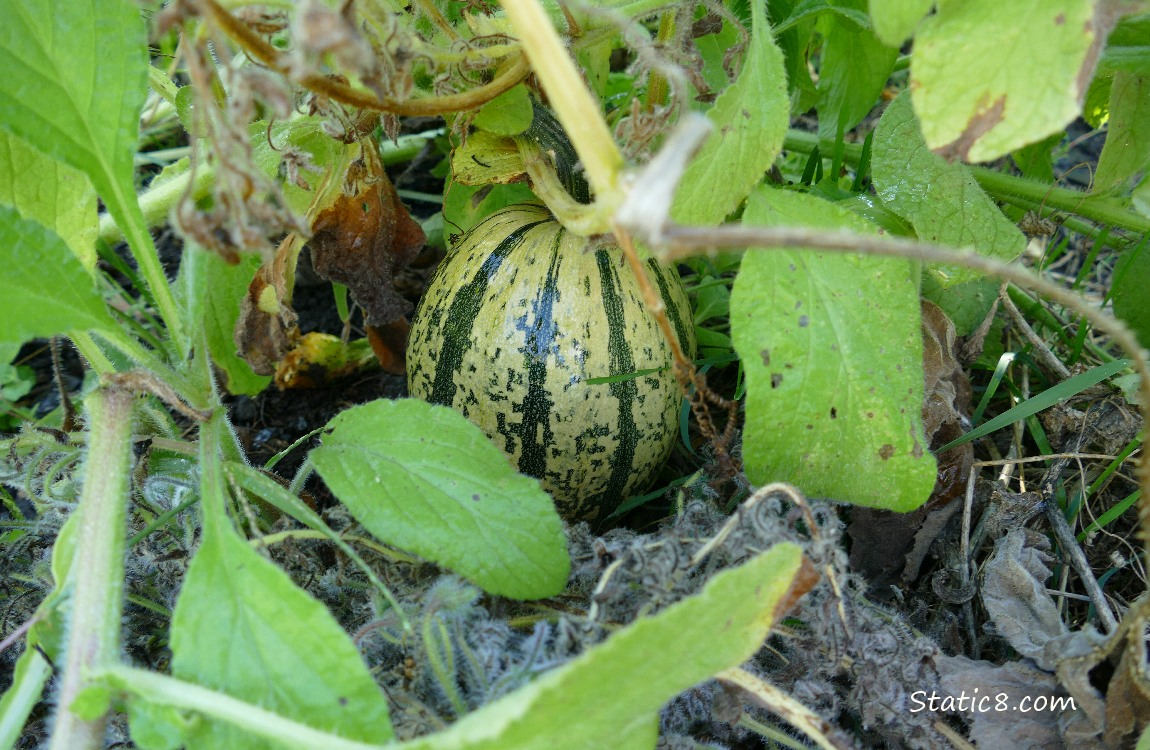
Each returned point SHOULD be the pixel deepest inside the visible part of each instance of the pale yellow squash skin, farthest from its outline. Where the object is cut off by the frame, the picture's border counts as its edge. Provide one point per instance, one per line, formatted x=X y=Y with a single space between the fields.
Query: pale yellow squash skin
x=516 y=320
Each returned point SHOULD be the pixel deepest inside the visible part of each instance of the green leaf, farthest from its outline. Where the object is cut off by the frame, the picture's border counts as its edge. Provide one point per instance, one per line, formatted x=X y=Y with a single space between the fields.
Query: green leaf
x=990 y=77
x=645 y=664
x=464 y=206
x=303 y=134
x=895 y=20
x=214 y=290
x=1127 y=148
x=50 y=192
x=1130 y=291
x=750 y=120
x=855 y=68
x=944 y=204
x=75 y=77
x=45 y=289
x=242 y=627
x=424 y=479
x=157 y=727
x=1036 y=160
x=794 y=42
x=832 y=350
x=807 y=9
x=509 y=113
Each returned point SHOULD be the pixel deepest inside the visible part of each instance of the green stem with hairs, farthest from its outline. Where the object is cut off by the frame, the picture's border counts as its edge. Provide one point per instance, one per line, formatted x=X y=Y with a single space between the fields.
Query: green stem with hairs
x=96 y=576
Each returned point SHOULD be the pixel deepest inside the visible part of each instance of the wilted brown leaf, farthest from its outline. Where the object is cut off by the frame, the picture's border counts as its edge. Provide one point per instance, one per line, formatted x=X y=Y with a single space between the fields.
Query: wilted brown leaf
x=266 y=327
x=365 y=237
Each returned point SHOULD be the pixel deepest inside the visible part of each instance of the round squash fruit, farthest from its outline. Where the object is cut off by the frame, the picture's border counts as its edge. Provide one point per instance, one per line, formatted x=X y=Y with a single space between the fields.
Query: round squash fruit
x=517 y=319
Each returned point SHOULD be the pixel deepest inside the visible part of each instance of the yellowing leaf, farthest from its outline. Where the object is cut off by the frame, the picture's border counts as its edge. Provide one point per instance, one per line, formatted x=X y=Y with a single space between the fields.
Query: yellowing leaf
x=50 y=192
x=989 y=77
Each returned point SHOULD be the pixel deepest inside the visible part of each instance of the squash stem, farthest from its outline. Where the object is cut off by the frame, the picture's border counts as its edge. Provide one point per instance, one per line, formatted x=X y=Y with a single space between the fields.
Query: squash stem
x=577 y=110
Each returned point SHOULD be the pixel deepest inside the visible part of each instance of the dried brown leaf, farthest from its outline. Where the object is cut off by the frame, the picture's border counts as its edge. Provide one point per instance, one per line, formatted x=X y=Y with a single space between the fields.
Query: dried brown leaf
x=266 y=327
x=365 y=237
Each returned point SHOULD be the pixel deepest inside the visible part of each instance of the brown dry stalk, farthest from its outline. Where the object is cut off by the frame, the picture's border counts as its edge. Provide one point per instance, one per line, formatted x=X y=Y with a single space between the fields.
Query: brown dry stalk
x=262 y=52
x=685 y=371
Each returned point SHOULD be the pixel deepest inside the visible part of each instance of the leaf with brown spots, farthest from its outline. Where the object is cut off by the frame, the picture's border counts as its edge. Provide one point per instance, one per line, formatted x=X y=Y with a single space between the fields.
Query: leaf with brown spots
x=990 y=77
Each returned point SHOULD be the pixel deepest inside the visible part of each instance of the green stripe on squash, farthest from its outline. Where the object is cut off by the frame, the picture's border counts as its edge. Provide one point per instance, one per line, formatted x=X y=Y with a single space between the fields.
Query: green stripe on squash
x=516 y=320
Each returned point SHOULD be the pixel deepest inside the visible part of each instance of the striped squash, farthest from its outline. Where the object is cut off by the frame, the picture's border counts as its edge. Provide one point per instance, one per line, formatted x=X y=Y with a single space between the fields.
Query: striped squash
x=516 y=320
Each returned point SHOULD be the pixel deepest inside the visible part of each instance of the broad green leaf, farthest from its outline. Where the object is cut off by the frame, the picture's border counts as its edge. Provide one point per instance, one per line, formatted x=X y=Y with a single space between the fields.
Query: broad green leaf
x=75 y=77
x=832 y=350
x=990 y=77
x=464 y=206
x=45 y=289
x=302 y=134
x=1096 y=104
x=855 y=67
x=944 y=204
x=425 y=479
x=214 y=290
x=43 y=189
x=895 y=20
x=1127 y=148
x=808 y=9
x=1131 y=292
x=509 y=113
x=644 y=665
x=794 y=42
x=1036 y=160
x=241 y=626
x=1128 y=47
x=750 y=119
x=713 y=49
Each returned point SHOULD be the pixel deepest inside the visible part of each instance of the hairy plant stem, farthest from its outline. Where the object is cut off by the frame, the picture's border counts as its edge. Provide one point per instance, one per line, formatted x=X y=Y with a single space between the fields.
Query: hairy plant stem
x=262 y=52
x=96 y=576
x=1028 y=194
x=168 y=691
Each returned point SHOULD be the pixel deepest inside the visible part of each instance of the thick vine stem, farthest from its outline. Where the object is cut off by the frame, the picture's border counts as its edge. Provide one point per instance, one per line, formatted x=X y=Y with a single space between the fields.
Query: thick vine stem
x=577 y=110
x=96 y=576
x=262 y=52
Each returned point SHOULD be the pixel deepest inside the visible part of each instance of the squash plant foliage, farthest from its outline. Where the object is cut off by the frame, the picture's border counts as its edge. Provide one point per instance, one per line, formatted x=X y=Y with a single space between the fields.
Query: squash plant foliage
x=829 y=346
